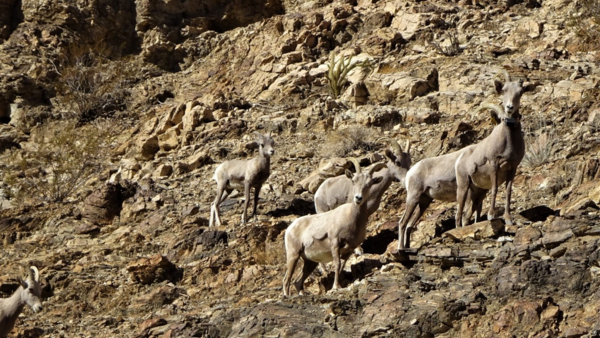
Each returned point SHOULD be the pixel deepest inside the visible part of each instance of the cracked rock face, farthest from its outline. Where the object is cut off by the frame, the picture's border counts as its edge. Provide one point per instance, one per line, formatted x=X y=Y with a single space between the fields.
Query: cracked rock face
x=179 y=87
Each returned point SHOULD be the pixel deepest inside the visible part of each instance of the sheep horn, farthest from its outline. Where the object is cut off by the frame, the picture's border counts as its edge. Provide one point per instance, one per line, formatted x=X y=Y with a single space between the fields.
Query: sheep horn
x=492 y=106
x=377 y=167
x=407 y=146
x=393 y=144
x=506 y=75
x=257 y=134
x=356 y=164
x=30 y=274
x=36 y=273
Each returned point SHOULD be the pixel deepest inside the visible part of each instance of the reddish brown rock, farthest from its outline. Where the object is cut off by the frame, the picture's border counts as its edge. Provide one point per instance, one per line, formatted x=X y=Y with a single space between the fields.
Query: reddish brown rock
x=154 y=269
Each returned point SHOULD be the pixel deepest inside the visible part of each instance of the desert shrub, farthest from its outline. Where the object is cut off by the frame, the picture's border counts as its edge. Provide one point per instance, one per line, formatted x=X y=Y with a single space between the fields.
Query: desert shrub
x=449 y=48
x=342 y=142
x=91 y=85
x=540 y=139
x=337 y=74
x=53 y=167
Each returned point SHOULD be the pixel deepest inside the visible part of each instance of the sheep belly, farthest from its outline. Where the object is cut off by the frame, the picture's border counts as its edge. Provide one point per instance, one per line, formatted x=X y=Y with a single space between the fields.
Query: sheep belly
x=319 y=251
x=319 y=256
x=443 y=191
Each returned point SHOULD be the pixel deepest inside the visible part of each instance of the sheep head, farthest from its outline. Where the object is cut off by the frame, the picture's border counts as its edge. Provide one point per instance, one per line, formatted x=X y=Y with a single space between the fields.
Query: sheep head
x=362 y=181
x=396 y=154
x=511 y=92
x=32 y=291
x=265 y=143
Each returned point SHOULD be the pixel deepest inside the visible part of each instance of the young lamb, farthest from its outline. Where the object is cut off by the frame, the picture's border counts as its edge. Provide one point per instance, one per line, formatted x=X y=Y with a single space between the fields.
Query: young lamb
x=29 y=293
x=435 y=178
x=329 y=236
x=492 y=161
x=243 y=175
x=336 y=191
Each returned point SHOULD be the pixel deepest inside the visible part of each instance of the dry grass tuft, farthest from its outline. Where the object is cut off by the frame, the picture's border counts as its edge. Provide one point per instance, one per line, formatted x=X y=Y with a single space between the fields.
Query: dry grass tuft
x=539 y=143
x=59 y=162
x=342 y=142
x=449 y=46
x=585 y=22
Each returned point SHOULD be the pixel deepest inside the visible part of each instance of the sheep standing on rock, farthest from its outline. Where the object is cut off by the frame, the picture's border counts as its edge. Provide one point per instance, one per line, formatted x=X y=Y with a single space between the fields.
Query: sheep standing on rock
x=435 y=178
x=243 y=175
x=492 y=161
x=332 y=235
x=29 y=293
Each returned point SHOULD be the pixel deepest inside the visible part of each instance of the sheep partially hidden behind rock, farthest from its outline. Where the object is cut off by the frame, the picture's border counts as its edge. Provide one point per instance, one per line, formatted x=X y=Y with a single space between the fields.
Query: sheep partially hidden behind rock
x=329 y=236
x=336 y=191
x=243 y=175
x=29 y=293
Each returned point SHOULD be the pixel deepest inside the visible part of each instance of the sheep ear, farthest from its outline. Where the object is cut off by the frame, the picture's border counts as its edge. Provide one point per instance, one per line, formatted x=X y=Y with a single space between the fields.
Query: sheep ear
x=498 y=85
x=377 y=180
x=348 y=174
x=22 y=282
x=258 y=135
x=390 y=155
x=495 y=118
x=529 y=87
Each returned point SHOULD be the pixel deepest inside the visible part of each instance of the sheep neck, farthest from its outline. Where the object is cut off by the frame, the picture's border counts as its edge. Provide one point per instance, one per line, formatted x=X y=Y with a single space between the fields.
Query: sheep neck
x=12 y=308
x=396 y=171
x=513 y=144
x=264 y=160
x=360 y=214
x=377 y=190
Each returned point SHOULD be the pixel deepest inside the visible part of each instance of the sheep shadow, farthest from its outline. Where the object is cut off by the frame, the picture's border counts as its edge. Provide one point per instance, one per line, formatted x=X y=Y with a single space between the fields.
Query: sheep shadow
x=296 y=206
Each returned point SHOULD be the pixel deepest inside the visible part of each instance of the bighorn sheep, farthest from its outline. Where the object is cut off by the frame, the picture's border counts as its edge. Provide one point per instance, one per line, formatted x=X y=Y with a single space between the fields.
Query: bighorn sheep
x=243 y=175
x=495 y=159
x=336 y=191
x=492 y=161
x=29 y=293
x=429 y=179
x=435 y=178
x=332 y=235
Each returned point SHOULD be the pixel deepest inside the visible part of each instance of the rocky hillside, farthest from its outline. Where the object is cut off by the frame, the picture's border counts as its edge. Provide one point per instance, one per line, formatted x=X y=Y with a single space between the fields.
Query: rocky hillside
x=115 y=114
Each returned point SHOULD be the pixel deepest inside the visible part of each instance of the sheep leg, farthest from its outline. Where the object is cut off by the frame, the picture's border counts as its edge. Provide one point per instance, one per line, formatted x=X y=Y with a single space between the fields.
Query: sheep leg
x=494 y=180
x=478 y=197
x=226 y=193
x=292 y=260
x=255 y=204
x=307 y=269
x=335 y=253
x=214 y=207
x=411 y=204
x=509 y=181
x=424 y=203
x=469 y=207
x=462 y=189
x=475 y=198
x=246 y=200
